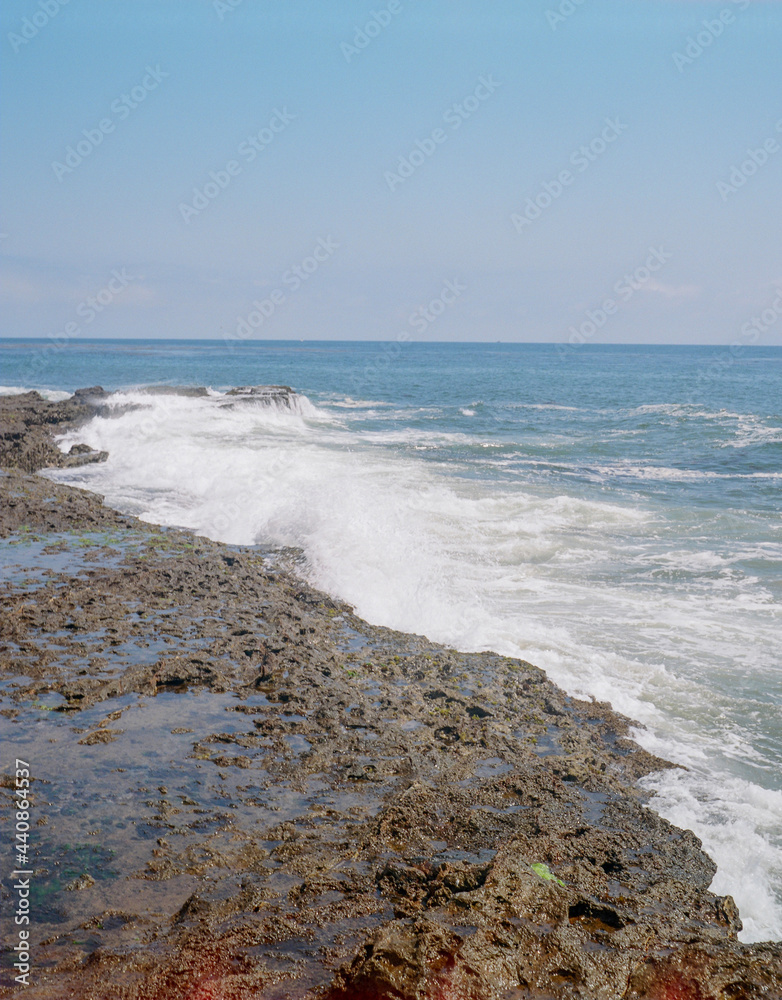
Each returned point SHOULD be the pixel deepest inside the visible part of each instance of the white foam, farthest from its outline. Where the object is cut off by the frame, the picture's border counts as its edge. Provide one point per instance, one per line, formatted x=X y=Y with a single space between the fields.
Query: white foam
x=348 y=403
x=747 y=428
x=738 y=822
x=751 y=431
x=542 y=406
x=689 y=410
x=53 y=395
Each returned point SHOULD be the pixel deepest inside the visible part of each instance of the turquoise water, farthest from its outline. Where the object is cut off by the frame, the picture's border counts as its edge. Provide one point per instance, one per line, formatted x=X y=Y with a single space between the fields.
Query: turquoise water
x=611 y=513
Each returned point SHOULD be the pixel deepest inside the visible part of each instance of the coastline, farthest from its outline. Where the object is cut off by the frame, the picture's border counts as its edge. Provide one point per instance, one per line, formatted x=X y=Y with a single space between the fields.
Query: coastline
x=357 y=811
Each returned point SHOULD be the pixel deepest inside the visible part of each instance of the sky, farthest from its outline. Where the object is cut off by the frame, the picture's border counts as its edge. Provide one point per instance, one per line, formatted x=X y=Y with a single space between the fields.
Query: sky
x=604 y=171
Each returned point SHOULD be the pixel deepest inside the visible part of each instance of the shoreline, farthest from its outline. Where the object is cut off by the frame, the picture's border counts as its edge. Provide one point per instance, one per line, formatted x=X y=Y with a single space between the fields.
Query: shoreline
x=344 y=810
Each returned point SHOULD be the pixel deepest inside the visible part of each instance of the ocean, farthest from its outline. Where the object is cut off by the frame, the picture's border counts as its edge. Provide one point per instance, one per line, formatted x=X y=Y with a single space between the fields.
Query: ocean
x=609 y=513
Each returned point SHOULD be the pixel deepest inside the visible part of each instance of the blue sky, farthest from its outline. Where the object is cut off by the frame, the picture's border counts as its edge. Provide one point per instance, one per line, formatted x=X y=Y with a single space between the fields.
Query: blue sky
x=667 y=96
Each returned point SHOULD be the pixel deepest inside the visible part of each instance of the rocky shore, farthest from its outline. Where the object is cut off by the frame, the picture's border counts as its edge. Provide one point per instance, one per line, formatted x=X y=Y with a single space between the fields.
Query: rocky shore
x=242 y=790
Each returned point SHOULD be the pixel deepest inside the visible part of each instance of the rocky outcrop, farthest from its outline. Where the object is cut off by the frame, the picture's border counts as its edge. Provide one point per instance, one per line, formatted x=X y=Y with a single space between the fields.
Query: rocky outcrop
x=264 y=393
x=28 y=423
x=279 y=396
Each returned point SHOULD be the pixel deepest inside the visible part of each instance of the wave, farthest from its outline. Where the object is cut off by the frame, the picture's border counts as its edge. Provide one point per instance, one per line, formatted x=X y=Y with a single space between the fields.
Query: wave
x=737 y=822
x=686 y=410
x=349 y=403
x=162 y=398
x=677 y=475
x=751 y=432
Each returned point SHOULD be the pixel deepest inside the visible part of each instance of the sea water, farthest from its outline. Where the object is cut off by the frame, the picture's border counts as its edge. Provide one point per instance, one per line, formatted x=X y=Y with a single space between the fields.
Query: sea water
x=610 y=513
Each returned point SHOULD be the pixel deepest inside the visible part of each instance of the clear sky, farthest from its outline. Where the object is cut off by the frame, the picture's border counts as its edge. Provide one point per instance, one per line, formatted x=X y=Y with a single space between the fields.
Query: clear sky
x=166 y=164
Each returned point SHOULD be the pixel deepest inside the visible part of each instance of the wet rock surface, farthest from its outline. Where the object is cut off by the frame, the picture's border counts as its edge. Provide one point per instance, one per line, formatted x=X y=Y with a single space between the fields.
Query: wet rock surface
x=27 y=423
x=240 y=789
x=282 y=394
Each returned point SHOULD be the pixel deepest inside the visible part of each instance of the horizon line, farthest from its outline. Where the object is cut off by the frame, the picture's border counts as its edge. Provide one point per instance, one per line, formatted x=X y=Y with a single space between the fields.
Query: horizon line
x=236 y=342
